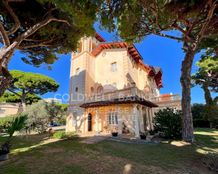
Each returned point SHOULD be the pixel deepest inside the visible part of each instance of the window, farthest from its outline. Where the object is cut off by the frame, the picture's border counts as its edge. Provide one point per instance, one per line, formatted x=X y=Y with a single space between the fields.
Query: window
x=76 y=89
x=114 y=66
x=92 y=90
x=100 y=90
x=112 y=118
x=77 y=71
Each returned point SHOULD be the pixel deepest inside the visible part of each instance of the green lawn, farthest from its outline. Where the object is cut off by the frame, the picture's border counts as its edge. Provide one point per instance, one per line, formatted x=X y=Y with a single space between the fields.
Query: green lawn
x=36 y=154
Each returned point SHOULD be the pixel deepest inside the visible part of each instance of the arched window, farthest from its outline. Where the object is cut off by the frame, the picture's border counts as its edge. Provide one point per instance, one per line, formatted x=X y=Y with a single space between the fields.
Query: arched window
x=100 y=90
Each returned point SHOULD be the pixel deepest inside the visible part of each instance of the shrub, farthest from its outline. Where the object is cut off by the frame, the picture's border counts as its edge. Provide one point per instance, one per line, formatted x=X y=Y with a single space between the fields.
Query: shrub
x=71 y=135
x=201 y=123
x=6 y=122
x=62 y=119
x=57 y=112
x=16 y=124
x=211 y=161
x=38 y=116
x=198 y=115
x=169 y=121
x=63 y=134
x=204 y=115
x=59 y=135
x=211 y=114
x=197 y=111
x=41 y=114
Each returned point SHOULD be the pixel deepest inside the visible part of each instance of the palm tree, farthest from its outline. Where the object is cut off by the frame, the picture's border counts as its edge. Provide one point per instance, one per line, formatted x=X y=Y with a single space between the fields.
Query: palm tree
x=17 y=124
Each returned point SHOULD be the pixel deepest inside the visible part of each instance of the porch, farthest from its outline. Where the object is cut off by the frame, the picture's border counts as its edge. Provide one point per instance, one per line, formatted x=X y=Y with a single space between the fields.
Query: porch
x=122 y=118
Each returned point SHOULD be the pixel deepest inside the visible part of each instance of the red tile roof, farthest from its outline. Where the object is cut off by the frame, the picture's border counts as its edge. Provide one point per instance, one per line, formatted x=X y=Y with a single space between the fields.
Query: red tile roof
x=110 y=45
x=99 y=37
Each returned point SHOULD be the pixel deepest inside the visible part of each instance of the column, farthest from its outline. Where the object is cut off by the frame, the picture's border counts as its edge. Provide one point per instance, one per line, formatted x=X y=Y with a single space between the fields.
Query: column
x=147 y=119
x=119 y=117
x=141 y=123
x=74 y=120
x=84 y=121
x=152 y=116
x=136 y=120
x=97 y=121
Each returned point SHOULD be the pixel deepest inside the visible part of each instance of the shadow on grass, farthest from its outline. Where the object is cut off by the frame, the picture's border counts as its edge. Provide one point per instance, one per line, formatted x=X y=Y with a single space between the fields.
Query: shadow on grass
x=207 y=130
x=205 y=140
x=39 y=154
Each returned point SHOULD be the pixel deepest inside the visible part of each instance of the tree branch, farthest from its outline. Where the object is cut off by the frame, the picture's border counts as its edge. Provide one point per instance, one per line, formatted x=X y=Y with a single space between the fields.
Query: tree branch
x=14 y=16
x=209 y=16
x=5 y=51
x=28 y=33
x=39 y=25
x=4 y=36
x=35 y=40
x=168 y=36
x=33 y=46
x=158 y=33
x=39 y=44
x=14 y=92
x=16 y=0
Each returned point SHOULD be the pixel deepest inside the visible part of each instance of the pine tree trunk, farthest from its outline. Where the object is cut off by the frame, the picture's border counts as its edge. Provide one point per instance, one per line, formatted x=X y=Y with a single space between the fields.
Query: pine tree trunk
x=207 y=95
x=22 y=105
x=5 y=79
x=5 y=76
x=187 y=124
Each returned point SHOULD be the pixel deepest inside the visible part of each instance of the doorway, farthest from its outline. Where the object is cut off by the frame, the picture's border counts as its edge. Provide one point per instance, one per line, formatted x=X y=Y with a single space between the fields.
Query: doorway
x=90 y=122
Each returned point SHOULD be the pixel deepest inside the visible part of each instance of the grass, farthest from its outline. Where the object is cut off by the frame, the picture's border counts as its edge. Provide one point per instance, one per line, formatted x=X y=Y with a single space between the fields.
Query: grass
x=37 y=154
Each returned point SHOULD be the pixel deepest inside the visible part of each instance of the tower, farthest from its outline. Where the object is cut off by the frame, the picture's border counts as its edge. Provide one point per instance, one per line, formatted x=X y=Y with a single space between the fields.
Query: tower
x=82 y=74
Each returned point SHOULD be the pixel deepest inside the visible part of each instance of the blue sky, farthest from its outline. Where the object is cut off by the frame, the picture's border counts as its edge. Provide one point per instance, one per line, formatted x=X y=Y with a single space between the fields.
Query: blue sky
x=155 y=50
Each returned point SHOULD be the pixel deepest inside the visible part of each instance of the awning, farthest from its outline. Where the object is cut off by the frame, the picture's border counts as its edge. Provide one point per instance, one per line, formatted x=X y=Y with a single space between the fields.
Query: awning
x=126 y=100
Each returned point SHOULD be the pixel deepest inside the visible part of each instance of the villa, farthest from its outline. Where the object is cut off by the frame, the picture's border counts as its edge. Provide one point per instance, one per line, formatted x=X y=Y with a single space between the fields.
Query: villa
x=111 y=89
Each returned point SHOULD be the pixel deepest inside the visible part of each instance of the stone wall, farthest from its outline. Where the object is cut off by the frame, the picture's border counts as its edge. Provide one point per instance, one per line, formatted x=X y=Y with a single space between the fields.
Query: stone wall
x=8 y=109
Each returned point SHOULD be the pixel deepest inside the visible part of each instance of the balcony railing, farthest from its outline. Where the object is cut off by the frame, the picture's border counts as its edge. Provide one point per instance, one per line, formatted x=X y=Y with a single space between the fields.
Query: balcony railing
x=116 y=94
x=129 y=92
x=167 y=98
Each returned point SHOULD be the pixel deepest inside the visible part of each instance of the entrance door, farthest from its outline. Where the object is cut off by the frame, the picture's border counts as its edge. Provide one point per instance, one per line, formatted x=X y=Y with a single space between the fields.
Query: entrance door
x=90 y=122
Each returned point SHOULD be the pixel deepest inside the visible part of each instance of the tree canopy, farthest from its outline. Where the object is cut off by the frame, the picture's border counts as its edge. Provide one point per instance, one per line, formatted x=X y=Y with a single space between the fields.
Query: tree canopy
x=10 y=97
x=195 y=23
x=136 y=19
x=42 y=29
x=26 y=83
x=208 y=71
x=207 y=75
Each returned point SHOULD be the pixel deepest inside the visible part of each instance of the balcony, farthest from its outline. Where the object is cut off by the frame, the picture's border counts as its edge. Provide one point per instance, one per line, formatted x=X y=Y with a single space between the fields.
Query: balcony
x=127 y=93
x=117 y=94
x=166 y=98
